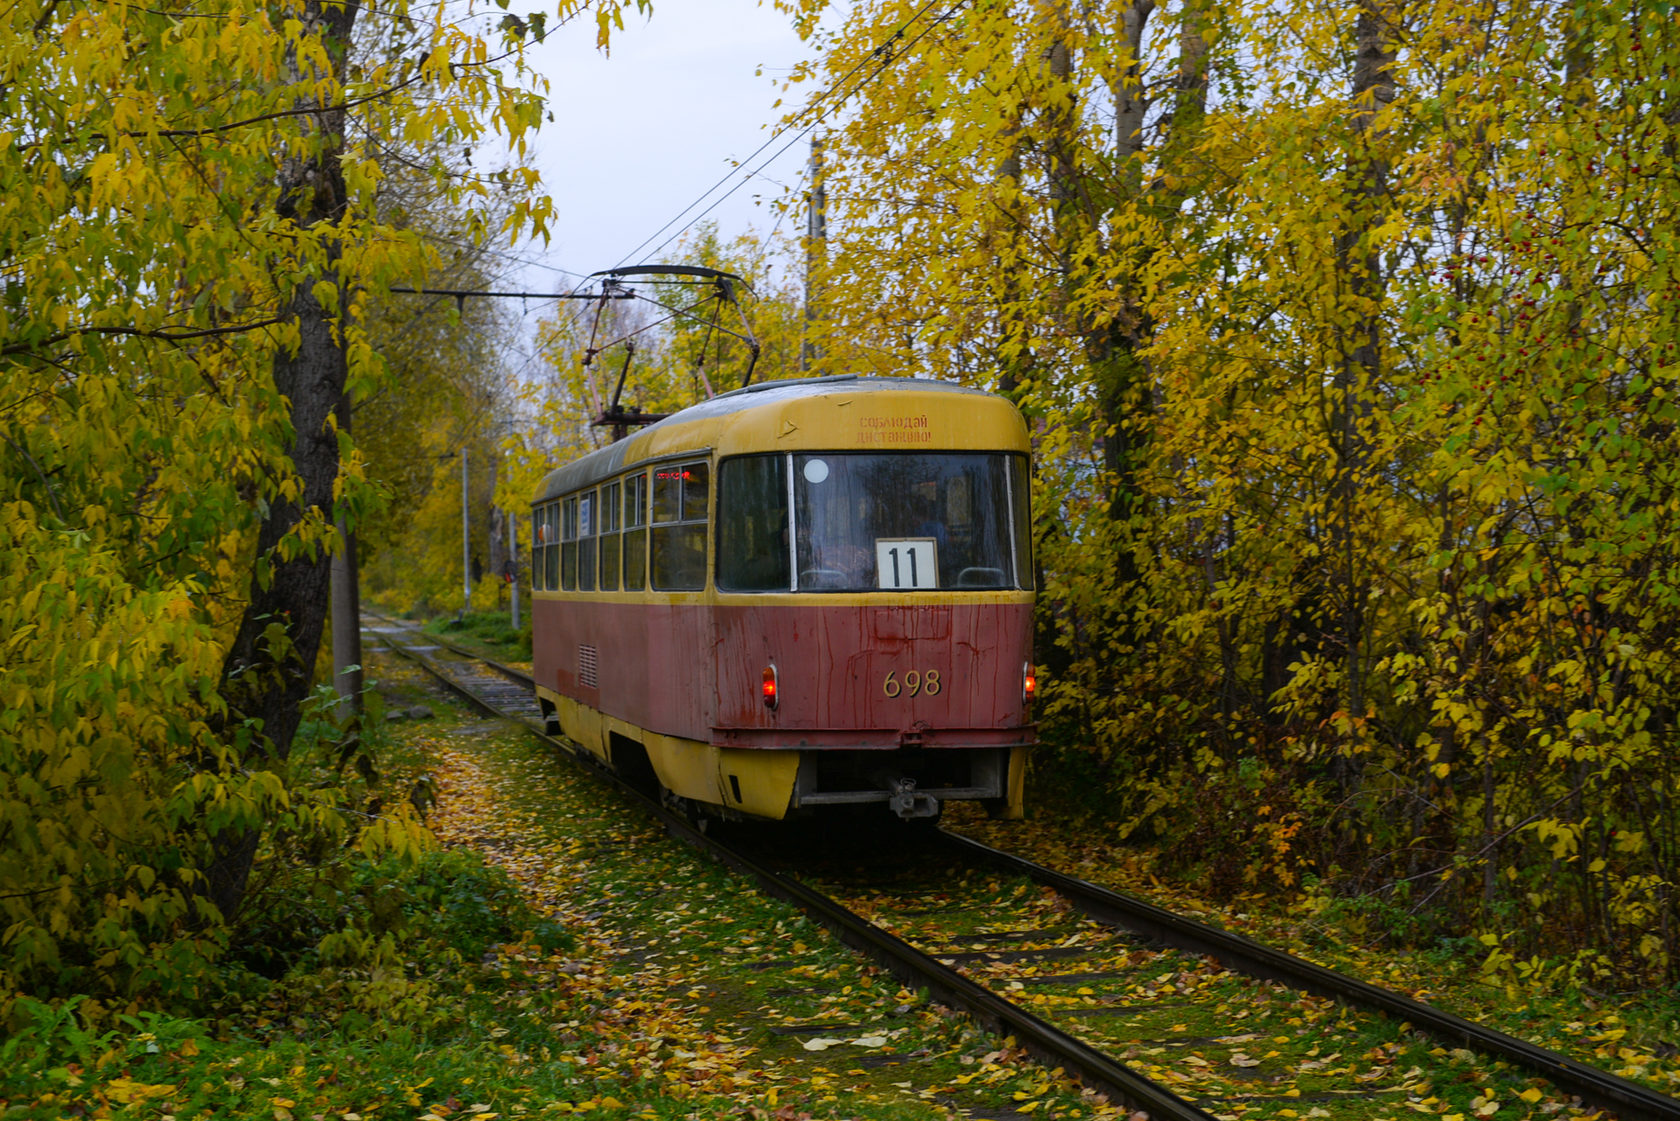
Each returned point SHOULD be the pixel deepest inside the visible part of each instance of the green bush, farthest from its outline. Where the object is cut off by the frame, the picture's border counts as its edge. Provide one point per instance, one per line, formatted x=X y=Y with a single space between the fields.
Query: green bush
x=453 y=903
x=445 y=908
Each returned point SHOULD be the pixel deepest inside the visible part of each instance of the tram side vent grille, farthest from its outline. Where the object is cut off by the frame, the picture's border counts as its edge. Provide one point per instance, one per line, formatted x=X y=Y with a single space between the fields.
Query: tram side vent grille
x=588 y=662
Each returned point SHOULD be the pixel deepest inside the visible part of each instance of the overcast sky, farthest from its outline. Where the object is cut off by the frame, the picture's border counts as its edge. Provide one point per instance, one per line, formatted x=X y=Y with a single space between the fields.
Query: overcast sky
x=642 y=133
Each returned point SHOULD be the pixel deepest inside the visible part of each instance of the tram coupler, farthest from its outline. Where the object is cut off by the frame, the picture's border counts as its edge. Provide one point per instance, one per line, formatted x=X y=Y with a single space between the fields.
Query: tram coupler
x=909 y=803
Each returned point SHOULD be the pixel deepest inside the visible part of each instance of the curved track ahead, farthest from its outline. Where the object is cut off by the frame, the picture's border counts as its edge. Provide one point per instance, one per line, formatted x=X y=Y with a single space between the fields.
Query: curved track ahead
x=504 y=691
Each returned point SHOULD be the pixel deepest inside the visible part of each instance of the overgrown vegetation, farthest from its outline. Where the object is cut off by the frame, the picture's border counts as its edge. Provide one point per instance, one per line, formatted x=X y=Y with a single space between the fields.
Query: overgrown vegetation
x=392 y=962
x=202 y=213
x=1348 y=335
x=342 y=936
x=489 y=632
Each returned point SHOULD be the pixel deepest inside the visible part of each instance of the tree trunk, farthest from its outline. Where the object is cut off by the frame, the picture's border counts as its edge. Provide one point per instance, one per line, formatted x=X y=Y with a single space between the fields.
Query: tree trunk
x=1360 y=265
x=1015 y=366
x=346 y=608
x=497 y=522
x=1114 y=348
x=270 y=665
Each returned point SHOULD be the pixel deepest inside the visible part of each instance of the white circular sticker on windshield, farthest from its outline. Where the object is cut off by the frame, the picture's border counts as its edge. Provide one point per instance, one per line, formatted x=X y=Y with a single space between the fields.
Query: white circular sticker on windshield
x=816 y=470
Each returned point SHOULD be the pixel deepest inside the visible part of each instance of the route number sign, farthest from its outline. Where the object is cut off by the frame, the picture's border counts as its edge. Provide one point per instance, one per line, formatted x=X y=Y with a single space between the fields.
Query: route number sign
x=906 y=563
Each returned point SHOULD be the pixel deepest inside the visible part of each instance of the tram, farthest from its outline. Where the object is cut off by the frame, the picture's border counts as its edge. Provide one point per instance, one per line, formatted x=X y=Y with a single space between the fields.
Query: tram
x=797 y=597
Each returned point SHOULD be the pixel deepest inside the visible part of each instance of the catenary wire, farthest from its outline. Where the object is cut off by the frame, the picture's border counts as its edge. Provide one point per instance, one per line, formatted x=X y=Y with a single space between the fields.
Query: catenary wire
x=882 y=53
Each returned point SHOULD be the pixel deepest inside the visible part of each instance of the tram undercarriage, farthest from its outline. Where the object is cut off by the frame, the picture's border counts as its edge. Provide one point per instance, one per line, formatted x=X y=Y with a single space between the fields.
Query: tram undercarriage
x=911 y=782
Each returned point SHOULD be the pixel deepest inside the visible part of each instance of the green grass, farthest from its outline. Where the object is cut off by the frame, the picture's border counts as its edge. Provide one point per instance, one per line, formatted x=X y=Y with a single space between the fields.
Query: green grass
x=488 y=632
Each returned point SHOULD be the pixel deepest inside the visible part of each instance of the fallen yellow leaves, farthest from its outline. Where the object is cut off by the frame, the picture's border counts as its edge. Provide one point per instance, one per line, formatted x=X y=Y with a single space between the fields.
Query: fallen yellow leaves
x=823 y=1043
x=607 y=1102
x=647 y=1036
x=125 y=1091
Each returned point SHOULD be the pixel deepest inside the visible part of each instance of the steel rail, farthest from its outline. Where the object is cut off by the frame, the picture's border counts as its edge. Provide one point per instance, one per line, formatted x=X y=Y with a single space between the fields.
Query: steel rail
x=456 y=687
x=1596 y=1087
x=1049 y=1044
x=518 y=676
x=1631 y=1101
x=910 y=965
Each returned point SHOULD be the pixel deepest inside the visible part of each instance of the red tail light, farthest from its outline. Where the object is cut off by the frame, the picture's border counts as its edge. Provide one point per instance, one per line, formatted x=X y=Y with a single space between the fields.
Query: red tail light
x=1029 y=683
x=769 y=686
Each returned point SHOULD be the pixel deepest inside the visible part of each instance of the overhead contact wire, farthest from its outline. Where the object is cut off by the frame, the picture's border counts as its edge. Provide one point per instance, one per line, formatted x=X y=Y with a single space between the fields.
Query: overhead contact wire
x=883 y=54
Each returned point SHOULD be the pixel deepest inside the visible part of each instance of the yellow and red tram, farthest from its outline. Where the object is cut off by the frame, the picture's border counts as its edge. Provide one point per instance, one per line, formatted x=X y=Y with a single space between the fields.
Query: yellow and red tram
x=796 y=596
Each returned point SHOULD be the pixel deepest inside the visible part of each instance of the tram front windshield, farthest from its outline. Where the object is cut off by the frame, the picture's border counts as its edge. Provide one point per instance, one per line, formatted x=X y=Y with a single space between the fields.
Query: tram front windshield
x=865 y=522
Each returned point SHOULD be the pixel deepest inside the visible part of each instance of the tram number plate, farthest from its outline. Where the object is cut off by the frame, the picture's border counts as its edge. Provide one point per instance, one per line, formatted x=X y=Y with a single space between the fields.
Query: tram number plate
x=913 y=683
x=906 y=562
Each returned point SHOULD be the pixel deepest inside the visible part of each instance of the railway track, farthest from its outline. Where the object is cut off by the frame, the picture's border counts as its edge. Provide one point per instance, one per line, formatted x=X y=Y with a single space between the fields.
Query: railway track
x=488 y=685
x=1234 y=1028
x=1174 y=1018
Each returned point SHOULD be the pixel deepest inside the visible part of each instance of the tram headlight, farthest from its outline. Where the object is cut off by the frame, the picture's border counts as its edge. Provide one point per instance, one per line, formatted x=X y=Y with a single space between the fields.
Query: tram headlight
x=1029 y=683
x=769 y=688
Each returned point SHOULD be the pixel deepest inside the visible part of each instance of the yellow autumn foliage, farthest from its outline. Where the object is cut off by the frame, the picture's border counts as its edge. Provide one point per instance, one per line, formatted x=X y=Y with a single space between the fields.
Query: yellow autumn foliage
x=1348 y=335
x=149 y=276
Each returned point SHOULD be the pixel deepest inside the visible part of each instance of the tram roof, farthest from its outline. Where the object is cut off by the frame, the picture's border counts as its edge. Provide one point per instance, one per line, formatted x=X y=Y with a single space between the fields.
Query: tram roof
x=805 y=413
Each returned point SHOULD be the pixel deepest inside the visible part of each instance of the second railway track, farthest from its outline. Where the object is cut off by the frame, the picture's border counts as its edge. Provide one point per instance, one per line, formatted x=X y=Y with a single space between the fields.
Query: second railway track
x=1174 y=1018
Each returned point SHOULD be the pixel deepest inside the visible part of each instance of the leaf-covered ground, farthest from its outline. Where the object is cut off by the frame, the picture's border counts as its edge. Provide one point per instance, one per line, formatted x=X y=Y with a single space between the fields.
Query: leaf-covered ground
x=696 y=988
x=1633 y=1034
x=1237 y=1047
x=675 y=991
x=672 y=991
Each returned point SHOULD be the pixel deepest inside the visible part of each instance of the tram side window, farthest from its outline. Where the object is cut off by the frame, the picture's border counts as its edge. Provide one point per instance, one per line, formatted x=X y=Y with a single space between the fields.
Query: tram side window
x=568 y=544
x=635 y=532
x=1019 y=488
x=536 y=548
x=551 y=547
x=609 y=537
x=586 y=541
x=752 y=521
x=679 y=526
x=542 y=518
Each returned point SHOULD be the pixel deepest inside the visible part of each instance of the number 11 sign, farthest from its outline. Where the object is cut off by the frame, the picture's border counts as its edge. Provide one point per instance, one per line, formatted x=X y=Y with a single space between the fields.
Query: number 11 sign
x=906 y=562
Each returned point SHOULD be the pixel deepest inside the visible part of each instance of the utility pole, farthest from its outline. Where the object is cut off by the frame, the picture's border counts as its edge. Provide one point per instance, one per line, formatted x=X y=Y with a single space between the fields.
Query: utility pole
x=346 y=606
x=816 y=237
x=466 y=540
x=513 y=559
